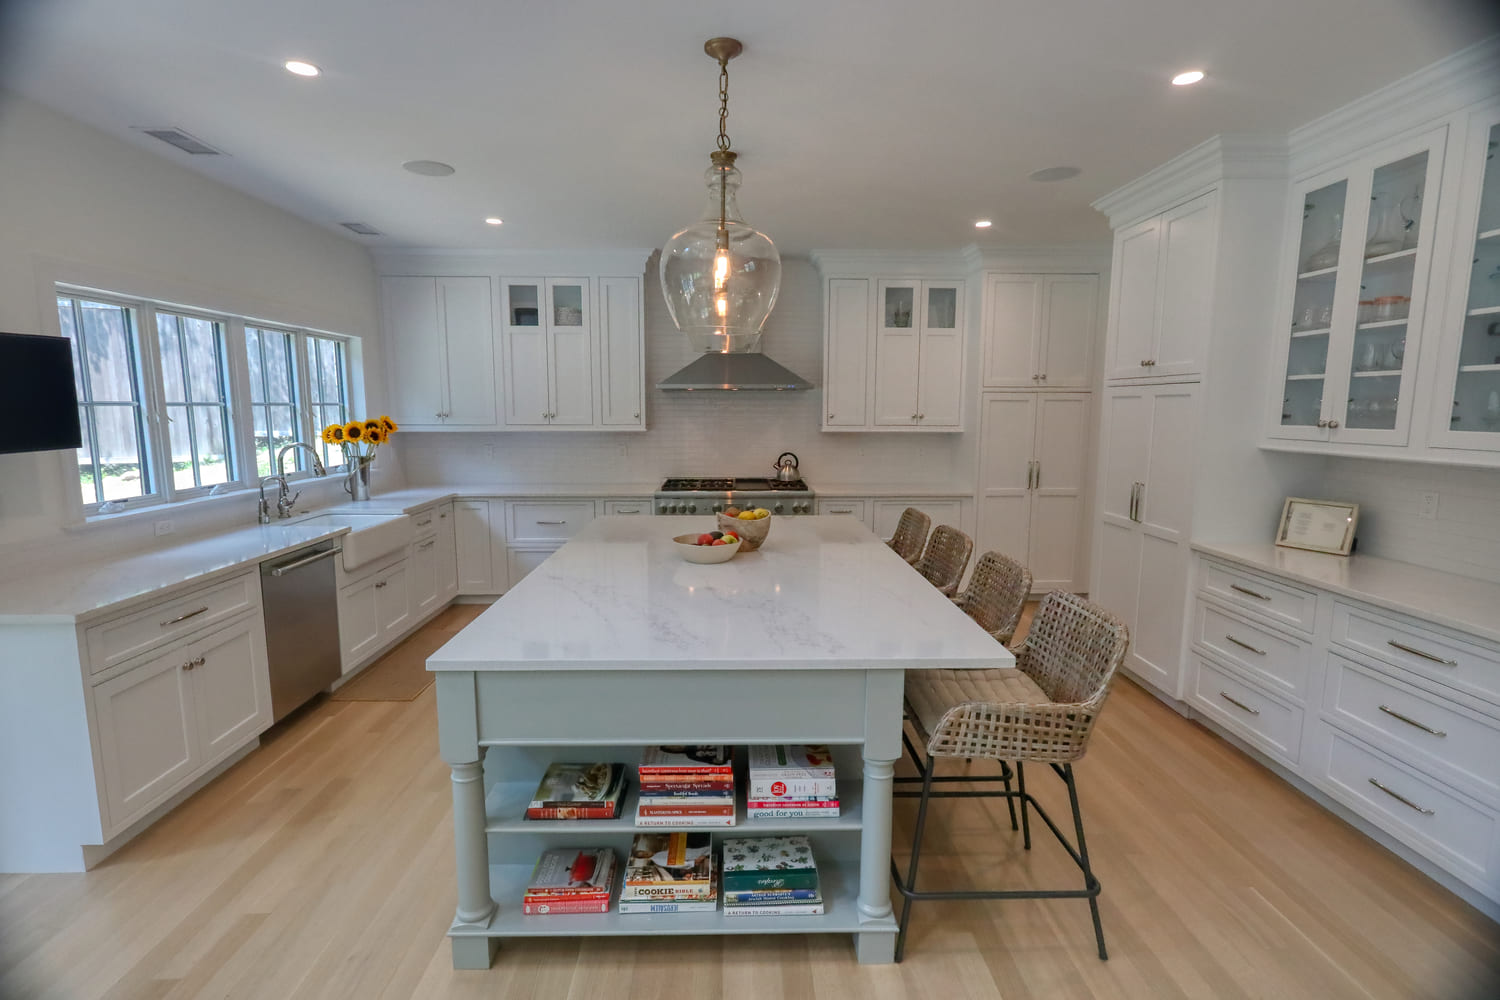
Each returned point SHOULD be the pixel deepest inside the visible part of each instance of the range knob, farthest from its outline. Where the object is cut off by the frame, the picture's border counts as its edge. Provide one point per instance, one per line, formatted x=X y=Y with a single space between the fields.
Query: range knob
x=692 y=508
x=662 y=508
x=718 y=507
x=779 y=508
x=796 y=508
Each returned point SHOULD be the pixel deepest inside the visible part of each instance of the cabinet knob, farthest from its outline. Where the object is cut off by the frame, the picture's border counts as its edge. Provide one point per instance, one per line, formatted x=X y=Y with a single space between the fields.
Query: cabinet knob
x=1145 y=363
x=830 y=416
x=379 y=584
x=1333 y=424
x=921 y=416
x=1043 y=376
x=637 y=416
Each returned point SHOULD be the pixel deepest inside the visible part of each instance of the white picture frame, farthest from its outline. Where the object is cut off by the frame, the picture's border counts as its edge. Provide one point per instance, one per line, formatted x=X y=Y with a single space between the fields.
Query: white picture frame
x=1317 y=525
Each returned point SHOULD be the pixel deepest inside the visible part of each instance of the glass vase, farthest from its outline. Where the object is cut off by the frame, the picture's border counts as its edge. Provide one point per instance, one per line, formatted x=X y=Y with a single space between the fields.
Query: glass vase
x=357 y=482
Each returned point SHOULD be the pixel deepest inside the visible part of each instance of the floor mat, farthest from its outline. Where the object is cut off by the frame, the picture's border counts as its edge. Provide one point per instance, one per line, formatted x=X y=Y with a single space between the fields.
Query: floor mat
x=401 y=674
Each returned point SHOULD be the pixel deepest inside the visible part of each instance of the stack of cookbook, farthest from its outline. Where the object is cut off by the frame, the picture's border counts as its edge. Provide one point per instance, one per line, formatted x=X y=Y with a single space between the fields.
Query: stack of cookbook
x=791 y=782
x=686 y=786
x=670 y=873
x=579 y=791
x=770 y=877
x=571 y=880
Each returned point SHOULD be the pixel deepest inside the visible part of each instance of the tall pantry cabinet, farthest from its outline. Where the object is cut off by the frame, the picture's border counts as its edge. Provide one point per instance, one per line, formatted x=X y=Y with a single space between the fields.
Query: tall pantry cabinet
x=1190 y=300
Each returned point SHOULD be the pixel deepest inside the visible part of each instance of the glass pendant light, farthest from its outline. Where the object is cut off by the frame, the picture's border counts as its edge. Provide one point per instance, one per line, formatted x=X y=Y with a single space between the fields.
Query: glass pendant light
x=719 y=275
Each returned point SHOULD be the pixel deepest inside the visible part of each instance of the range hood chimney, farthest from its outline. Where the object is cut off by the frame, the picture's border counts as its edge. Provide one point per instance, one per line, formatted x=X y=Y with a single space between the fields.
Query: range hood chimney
x=729 y=372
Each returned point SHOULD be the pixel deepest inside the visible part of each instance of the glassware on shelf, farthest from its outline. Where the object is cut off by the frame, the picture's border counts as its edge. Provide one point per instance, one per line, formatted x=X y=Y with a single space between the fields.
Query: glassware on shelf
x=1387 y=225
x=1366 y=313
x=1411 y=212
x=1390 y=307
x=1395 y=354
x=1366 y=361
x=1328 y=254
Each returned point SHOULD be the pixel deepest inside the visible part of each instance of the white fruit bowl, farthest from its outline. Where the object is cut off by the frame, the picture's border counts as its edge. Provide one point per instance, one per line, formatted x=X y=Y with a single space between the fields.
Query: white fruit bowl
x=753 y=531
x=695 y=553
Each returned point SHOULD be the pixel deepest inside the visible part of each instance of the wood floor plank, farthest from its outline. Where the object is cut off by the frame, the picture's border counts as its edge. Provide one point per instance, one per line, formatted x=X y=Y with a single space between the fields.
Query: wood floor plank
x=321 y=866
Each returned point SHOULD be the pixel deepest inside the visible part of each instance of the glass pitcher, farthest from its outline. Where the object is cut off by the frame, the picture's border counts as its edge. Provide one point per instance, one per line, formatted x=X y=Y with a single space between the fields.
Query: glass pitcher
x=1387 y=226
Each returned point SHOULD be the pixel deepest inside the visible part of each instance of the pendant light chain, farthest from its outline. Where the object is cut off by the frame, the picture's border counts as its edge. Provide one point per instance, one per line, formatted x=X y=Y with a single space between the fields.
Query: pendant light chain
x=723 y=103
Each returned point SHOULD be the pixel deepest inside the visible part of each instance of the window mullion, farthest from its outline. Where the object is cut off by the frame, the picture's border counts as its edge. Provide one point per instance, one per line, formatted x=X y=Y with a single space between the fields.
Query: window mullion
x=157 y=440
x=302 y=392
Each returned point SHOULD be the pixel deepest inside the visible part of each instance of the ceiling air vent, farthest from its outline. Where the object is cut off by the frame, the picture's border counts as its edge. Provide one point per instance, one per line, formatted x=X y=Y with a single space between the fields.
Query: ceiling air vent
x=177 y=137
x=362 y=228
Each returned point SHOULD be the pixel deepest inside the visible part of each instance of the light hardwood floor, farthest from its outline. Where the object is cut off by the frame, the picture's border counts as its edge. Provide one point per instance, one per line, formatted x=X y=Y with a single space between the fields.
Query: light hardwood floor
x=321 y=866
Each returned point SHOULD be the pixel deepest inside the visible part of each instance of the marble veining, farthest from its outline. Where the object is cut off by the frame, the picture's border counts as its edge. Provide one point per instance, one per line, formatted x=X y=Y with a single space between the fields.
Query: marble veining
x=1459 y=602
x=823 y=592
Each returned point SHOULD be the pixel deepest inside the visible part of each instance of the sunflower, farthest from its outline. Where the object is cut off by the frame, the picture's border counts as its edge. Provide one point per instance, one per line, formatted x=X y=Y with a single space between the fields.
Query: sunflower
x=328 y=435
x=354 y=430
x=373 y=433
x=334 y=433
x=388 y=425
x=371 y=425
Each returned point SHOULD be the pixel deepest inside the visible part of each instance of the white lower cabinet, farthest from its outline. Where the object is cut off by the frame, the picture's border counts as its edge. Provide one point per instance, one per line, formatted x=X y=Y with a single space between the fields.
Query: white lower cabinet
x=471 y=538
x=886 y=514
x=374 y=611
x=422 y=574
x=446 y=555
x=1395 y=719
x=523 y=561
x=854 y=509
x=175 y=712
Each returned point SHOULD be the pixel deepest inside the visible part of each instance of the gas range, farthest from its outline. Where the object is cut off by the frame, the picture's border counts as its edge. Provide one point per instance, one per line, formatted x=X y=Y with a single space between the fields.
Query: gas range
x=709 y=496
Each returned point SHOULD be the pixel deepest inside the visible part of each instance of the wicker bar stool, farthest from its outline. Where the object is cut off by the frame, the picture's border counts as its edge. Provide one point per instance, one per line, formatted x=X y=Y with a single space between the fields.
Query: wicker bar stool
x=1044 y=711
x=996 y=595
x=945 y=558
x=911 y=534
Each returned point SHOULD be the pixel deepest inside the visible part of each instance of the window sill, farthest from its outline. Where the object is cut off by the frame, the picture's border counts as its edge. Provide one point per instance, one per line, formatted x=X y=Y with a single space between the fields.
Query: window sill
x=195 y=504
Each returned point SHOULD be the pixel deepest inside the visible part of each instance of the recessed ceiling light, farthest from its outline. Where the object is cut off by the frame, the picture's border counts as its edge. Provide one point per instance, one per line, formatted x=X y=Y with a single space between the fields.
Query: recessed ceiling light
x=301 y=68
x=983 y=224
x=1054 y=173
x=493 y=221
x=427 y=168
x=1189 y=77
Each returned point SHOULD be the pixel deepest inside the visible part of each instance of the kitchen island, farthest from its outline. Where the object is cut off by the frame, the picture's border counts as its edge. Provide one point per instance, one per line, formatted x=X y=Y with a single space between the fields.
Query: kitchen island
x=615 y=643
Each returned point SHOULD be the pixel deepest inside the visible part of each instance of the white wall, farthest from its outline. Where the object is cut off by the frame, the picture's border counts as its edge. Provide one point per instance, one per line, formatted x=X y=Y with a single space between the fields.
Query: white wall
x=1464 y=538
x=77 y=202
x=709 y=433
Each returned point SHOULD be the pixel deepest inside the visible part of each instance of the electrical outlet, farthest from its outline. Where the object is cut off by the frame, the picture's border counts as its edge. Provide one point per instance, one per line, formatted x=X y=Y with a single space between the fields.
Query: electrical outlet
x=165 y=527
x=1429 y=509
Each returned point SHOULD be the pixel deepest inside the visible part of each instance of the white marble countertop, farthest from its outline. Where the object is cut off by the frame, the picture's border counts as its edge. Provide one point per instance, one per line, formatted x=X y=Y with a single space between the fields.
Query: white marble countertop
x=1459 y=602
x=821 y=593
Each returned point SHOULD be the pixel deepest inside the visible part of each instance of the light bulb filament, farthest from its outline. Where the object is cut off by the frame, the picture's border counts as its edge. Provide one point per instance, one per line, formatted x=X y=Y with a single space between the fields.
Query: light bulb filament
x=721 y=272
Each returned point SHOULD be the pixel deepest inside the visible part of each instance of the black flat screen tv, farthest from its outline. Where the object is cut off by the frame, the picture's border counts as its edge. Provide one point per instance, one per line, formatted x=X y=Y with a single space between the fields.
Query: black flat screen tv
x=38 y=403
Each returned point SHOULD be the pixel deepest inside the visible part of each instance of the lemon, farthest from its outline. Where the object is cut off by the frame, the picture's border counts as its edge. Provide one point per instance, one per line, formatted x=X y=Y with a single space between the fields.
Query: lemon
x=746 y=515
x=761 y=512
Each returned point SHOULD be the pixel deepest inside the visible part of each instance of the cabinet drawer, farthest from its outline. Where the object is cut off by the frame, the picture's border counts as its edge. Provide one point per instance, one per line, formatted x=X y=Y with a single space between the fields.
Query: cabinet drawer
x=424 y=523
x=1263 y=652
x=1280 y=602
x=1452 y=830
x=853 y=509
x=615 y=508
x=114 y=642
x=1418 y=728
x=1422 y=651
x=1267 y=722
x=548 y=522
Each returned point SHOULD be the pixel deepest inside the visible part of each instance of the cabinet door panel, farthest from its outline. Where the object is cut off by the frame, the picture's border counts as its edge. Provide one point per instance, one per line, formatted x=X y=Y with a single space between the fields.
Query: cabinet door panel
x=422 y=570
x=392 y=603
x=231 y=690
x=1117 y=571
x=1133 y=298
x=469 y=336
x=1165 y=505
x=1007 y=437
x=1012 y=330
x=1055 y=553
x=525 y=338
x=570 y=351
x=359 y=623
x=447 y=555
x=146 y=740
x=471 y=532
x=1188 y=242
x=620 y=377
x=846 y=372
x=413 y=350
x=1125 y=443
x=523 y=561
x=897 y=352
x=1067 y=341
x=1156 y=635
x=940 y=361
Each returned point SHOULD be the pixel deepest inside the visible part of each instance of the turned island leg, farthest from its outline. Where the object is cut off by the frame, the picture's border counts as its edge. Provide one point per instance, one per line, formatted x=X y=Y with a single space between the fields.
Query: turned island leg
x=459 y=743
x=881 y=751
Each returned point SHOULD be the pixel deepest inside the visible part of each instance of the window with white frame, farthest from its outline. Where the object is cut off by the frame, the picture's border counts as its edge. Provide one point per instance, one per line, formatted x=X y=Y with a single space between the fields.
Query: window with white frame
x=176 y=403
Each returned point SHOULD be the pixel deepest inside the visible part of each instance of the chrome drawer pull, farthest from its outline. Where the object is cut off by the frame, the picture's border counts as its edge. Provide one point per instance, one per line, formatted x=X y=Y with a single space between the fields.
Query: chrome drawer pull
x=1402 y=799
x=381 y=583
x=1417 y=652
x=1239 y=704
x=183 y=618
x=427 y=544
x=1246 y=590
x=1412 y=722
x=1245 y=645
x=552 y=522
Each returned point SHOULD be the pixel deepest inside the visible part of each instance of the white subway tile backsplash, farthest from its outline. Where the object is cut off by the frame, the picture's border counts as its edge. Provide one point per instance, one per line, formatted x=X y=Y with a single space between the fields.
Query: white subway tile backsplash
x=706 y=433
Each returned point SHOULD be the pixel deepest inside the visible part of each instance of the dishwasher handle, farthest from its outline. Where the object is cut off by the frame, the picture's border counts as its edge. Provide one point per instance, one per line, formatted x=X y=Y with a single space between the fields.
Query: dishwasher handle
x=285 y=568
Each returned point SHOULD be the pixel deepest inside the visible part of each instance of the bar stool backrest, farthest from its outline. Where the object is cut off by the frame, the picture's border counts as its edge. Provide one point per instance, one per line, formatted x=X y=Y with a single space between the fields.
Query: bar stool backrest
x=946 y=557
x=1073 y=650
x=997 y=594
x=911 y=534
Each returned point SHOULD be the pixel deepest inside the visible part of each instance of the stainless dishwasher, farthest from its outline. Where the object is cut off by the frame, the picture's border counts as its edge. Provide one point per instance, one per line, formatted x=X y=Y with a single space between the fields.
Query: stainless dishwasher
x=301 y=605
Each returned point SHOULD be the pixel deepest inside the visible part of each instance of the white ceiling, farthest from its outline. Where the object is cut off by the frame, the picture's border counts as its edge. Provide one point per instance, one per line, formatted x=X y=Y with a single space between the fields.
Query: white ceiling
x=587 y=123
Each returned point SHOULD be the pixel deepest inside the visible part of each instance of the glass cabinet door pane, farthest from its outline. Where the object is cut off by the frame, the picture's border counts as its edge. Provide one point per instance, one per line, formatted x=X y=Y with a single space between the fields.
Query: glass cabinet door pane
x=1312 y=305
x=899 y=307
x=567 y=305
x=942 y=308
x=1392 y=238
x=1476 y=391
x=523 y=305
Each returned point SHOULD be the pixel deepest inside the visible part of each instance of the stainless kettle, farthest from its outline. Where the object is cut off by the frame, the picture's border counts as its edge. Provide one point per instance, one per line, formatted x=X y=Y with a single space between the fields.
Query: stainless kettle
x=786 y=468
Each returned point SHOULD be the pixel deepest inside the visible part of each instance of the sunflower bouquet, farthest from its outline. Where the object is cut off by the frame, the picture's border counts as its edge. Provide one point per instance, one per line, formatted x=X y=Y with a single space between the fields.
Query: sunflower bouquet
x=358 y=439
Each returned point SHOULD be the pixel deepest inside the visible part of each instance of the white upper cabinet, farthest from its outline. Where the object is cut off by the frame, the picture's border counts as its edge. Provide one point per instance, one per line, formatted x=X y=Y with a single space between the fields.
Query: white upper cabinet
x=1354 y=297
x=1039 y=330
x=621 y=353
x=919 y=356
x=439 y=351
x=846 y=353
x=1162 y=293
x=1466 y=403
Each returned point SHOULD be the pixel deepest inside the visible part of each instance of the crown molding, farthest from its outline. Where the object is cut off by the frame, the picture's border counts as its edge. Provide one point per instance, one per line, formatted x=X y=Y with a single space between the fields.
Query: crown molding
x=1448 y=85
x=532 y=263
x=896 y=263
x=1223 y=157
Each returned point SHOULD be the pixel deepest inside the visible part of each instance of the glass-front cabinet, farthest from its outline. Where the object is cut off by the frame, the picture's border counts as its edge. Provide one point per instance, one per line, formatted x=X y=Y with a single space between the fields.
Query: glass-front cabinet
x=1353 y=299
x=1466 y=410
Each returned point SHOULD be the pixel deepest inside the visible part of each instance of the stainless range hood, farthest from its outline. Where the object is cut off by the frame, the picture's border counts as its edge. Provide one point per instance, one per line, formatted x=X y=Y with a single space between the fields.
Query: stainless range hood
x=744 y=371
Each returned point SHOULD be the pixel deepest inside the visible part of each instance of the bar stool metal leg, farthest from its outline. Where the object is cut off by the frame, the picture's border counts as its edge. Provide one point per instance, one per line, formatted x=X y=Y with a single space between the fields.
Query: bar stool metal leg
x=1021 y=790
x=916 y=854
x=1089 y=882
